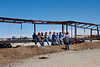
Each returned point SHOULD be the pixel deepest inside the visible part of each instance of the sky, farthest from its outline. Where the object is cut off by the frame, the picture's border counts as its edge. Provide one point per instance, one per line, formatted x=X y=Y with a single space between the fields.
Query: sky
x=54 y=10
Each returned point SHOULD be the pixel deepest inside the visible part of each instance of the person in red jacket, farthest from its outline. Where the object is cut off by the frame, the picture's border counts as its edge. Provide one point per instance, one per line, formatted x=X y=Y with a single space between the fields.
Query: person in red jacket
x=39 y=38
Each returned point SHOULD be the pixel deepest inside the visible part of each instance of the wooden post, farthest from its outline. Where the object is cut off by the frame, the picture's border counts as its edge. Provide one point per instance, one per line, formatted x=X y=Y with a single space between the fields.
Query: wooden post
x=91 y=35
x=75 y=31
x=34 y=27
x=66 y=27
x=97 y=32
x=62 y=28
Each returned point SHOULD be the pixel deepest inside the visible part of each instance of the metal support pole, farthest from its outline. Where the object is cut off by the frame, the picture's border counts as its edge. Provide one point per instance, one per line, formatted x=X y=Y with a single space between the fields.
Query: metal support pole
x=97 y=32
x=21 y=26
x=71 y=32
x=66 y=27
x=84 y=30
x=91 y=35
x=34 y=27
x=75 y=31
x=62 y=28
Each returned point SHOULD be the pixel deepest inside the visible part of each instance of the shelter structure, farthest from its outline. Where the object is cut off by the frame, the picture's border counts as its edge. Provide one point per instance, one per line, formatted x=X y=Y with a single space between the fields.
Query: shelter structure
x=74 y=24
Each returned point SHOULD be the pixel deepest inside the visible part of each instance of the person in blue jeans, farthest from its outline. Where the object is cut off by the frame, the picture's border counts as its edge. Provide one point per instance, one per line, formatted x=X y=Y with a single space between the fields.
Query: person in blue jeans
x=66 y=41
x=61 y=39
x=54 y=38
x=50 y=38
x=46 y=38
x=39 y=38
x=42 y=39
x=35 y=38
x=57 y=37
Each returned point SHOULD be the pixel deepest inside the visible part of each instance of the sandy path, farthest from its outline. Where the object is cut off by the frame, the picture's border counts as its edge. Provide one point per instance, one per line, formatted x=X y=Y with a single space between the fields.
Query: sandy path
x=82 y=58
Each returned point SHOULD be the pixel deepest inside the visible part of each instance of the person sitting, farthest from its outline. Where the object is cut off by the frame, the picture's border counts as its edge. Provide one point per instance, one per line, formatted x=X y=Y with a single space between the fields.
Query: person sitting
x=13 y=37
x=54 y=38
x=66 y=41
x=25 y=37
x=35 y=38
x=57 y=37
x=60 y=38
x=21 y=37
x=39 y=38
x=46 y=37
x=50 y=37
x=63 y=34
x=42 y=39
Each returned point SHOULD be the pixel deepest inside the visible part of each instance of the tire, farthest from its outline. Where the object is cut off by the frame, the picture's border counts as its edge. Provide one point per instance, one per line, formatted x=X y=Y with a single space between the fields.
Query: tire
x=1 y=45
x=8 y=45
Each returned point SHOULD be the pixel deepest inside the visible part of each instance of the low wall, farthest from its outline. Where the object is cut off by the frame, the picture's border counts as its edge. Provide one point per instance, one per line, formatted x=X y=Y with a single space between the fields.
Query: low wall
x=28 y=44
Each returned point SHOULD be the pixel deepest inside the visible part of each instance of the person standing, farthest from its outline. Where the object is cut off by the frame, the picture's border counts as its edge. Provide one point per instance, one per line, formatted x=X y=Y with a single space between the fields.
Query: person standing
x=50 y=38
x=57 y=37
x=42 y=39
x=66 y=41
x=46 y=38
x=35 y=38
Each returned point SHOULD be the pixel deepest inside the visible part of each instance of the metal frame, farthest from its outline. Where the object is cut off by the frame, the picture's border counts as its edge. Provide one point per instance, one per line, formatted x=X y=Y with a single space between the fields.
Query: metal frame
x=67 y=23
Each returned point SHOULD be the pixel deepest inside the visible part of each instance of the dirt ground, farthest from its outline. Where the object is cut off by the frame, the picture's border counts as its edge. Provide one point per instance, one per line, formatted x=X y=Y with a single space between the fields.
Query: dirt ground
x=8 y=55
x=81 y=58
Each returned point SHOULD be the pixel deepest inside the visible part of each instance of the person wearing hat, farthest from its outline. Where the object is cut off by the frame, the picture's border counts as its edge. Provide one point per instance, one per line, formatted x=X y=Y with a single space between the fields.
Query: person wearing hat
x=39 y=38
x=35 y=38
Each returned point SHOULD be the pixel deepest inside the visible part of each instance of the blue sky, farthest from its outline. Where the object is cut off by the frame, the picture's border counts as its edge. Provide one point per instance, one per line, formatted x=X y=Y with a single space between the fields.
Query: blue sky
x=56 y=10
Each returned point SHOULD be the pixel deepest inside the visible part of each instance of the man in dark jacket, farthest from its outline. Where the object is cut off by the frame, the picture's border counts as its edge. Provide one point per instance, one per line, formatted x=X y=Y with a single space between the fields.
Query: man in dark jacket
x=35 y=38
x=66 y=41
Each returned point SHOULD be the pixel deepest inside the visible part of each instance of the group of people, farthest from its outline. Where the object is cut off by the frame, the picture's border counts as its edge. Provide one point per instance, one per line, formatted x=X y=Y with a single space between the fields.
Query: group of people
x=56 y=39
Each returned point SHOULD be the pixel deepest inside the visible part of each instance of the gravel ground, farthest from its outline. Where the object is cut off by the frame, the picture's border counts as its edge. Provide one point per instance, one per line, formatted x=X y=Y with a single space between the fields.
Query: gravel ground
x=81 y=58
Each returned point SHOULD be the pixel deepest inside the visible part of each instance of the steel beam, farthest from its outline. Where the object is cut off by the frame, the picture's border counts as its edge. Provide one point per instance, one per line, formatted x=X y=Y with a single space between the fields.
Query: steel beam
x=93 y=27
x=83 y=25
x=88 y=26
x=10 y=22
